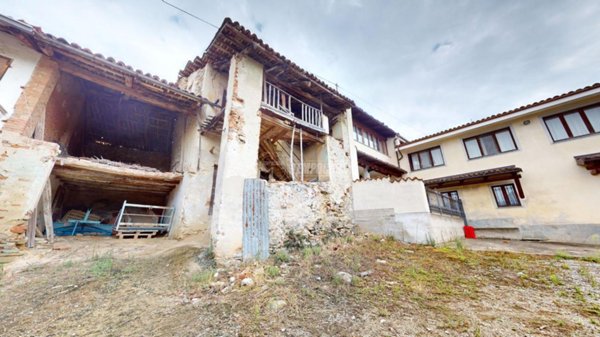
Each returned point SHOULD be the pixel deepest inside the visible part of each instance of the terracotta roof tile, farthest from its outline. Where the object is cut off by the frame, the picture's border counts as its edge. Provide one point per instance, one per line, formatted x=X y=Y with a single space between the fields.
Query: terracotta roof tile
x=506 y=113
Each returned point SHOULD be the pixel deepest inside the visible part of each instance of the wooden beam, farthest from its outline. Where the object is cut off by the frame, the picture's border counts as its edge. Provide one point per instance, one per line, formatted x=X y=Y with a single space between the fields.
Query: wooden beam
x=288 y=128
x=47 y=212
x=519 y=187
x=122 y=88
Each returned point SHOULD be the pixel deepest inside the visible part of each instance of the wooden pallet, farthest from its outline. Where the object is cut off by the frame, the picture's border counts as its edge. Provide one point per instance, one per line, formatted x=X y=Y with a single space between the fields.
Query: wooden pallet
x=136 y=234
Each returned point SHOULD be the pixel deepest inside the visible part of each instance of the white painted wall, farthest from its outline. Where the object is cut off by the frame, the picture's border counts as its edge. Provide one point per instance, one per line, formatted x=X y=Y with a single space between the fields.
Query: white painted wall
x=400 y=209
x=24 y=60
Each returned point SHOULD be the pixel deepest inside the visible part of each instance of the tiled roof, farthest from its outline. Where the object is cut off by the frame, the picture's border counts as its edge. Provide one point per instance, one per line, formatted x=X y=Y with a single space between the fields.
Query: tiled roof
x=43 y=40
x=509 y=112
x=200 y=62
x=498 y=171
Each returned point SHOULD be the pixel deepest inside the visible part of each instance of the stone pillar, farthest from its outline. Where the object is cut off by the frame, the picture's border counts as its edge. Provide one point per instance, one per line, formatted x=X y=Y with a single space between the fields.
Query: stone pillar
x=344 y=131
x=31 y=105
x=238 y=153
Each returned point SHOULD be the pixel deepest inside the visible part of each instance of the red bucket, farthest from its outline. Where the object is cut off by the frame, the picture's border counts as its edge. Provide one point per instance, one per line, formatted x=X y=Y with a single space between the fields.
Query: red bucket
x=469 y=232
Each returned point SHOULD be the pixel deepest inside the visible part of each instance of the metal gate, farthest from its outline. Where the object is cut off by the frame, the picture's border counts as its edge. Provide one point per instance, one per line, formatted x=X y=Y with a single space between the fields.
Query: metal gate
x=255 y=220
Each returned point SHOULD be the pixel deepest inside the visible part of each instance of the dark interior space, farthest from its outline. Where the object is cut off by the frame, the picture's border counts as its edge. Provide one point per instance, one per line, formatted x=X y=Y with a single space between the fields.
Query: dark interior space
x=88 y=120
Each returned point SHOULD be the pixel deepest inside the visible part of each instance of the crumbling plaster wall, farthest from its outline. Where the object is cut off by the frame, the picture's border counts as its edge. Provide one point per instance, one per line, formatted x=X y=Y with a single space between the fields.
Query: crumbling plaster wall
x=24 y=61
x=238 y=153
x=312 y=210
x=196 y=156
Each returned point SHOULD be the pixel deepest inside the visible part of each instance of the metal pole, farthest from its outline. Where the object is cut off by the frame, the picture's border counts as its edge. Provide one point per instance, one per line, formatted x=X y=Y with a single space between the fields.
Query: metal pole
x=301 y=158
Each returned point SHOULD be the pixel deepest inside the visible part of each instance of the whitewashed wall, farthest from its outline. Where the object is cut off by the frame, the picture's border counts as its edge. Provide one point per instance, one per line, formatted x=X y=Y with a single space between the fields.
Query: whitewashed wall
x=24 y=60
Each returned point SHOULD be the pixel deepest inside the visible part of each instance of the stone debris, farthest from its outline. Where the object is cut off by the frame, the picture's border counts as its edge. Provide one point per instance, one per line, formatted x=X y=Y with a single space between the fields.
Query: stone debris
x=247 y=282
x=276 y=305
x=365 y=273
x=381 y=261
x=347 y=278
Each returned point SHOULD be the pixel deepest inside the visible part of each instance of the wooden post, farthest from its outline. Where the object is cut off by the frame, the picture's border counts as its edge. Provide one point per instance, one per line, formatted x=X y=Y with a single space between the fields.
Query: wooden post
x=301 y=157
x=292 y=154
x=47 y=211
x=31 y=226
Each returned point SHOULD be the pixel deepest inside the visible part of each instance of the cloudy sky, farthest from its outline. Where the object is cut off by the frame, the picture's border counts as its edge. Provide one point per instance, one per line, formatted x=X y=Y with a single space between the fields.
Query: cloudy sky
x=419 y=66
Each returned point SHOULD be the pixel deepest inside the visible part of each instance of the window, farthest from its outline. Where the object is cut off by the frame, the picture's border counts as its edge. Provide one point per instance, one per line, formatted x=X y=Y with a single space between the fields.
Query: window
x=574 y=124
x=426 y=159
x=4 y=65
x=506 y=195
x=369 y=139
x=450 y=199
x=489 y=144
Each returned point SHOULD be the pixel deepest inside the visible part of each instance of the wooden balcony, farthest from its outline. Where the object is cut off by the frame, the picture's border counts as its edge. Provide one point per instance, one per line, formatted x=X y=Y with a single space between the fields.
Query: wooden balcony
x=291 y=108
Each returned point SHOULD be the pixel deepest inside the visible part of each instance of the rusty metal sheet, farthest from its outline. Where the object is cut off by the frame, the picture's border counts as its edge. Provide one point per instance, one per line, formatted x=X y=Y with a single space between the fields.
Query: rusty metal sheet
x=255 y=219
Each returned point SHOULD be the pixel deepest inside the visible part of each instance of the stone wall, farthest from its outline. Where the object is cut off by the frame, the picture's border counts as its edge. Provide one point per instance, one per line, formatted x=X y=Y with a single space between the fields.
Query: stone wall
x=312 y=210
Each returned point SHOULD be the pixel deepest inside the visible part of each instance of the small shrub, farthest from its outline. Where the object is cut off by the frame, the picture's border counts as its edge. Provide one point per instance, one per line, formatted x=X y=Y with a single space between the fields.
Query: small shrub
x=282 y=256
x=272 y=271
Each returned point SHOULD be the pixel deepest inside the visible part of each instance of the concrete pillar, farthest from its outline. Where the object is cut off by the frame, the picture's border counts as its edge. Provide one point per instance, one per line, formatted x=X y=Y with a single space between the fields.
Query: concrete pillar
x=238 y=153
x=31 y=105
x=344 y=131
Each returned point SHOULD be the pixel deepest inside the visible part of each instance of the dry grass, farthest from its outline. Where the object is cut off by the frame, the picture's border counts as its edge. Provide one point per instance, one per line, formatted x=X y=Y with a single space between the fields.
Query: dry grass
x=409 y=290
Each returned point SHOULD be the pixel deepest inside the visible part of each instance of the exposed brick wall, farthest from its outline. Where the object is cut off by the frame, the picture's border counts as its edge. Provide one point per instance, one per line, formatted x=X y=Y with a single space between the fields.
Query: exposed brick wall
x=31 y=105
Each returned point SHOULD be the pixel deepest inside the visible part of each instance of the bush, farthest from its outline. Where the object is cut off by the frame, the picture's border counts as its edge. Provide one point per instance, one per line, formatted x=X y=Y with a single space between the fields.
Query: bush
x=272 y=271
x=282 y=256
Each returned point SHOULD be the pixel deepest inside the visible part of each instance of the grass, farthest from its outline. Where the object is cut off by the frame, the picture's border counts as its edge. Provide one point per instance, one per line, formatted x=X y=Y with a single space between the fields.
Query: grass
x=562 y=255
x=555 y=280
x=101 y=265
x=203 y=277
x=282 y=256
x=272 y=271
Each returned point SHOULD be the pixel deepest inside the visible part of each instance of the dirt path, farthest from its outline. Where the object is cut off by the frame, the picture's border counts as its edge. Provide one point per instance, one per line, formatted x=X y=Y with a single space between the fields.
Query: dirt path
x=532 y=247
x=403 y=291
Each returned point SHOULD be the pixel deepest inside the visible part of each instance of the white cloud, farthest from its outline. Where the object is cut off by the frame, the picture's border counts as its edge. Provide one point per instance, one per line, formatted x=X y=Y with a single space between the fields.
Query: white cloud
x=419 y=66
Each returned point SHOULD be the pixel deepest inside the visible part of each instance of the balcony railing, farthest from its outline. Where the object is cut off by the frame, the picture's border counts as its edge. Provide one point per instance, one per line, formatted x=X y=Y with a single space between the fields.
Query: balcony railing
x=443 y=204
x=288 y=106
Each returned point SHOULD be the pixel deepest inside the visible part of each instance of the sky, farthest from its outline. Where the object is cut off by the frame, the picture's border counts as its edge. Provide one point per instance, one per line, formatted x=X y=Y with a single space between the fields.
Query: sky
x=419 y=66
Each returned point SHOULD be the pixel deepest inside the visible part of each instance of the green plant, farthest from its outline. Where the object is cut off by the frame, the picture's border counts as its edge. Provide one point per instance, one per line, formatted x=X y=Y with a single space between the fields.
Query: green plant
x=203 y=277
x=430 y=241
x=295 y=241
x=555 y=280
x=594 y=259
x=102 y=265
x=459 y=244
x=282 y=256
x=272 y=271
x=337 y=280
x=562 y=255
x=68 y=264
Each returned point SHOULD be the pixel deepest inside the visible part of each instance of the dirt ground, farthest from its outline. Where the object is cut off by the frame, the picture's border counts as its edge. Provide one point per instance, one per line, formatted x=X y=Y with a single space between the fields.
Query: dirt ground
x=171 y=288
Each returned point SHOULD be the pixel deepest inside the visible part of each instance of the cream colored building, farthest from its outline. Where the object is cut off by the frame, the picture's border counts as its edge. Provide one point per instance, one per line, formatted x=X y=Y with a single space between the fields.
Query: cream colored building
x=529 y=173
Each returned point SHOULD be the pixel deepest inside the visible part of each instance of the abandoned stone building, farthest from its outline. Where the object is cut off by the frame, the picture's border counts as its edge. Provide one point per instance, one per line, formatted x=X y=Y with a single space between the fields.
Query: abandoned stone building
x=244 y=150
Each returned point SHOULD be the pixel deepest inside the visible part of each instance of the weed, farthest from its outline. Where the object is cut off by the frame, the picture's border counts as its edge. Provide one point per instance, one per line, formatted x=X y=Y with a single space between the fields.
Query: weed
x=585 y=273
x=349 y=239
x=307 y=252
x=390 y=238
x=594 y=259
x=337 y=280
x=356 y=281
x=562 y=255
x=579 y=294
x=477 y=332
x=459 y=244
x=282 y=256
x=316 y=250
x=68 y=264
x=430 y=241
x=102 y=265
x=272 y=271
x=295 y=241
x=555 y=280
x=204 y=277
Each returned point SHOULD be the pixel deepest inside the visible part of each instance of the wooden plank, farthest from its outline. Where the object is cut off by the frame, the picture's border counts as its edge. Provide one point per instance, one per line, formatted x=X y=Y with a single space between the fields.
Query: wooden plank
x=47 y=212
